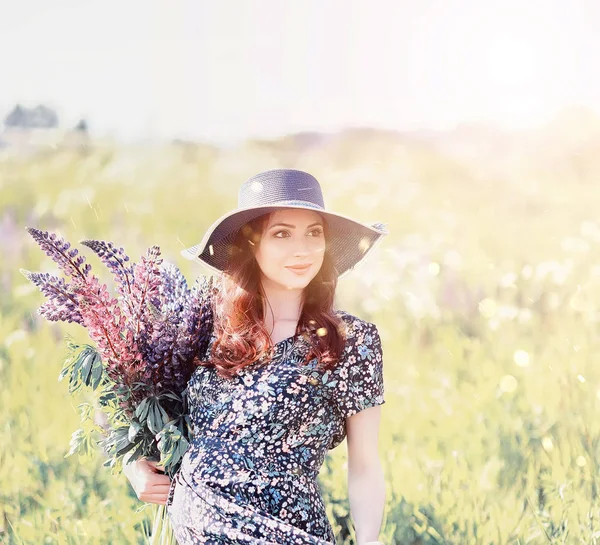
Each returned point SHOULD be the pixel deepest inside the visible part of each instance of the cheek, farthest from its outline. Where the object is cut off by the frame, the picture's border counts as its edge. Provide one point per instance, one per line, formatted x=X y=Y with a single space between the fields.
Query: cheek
x=319 y=252
x=270 y=255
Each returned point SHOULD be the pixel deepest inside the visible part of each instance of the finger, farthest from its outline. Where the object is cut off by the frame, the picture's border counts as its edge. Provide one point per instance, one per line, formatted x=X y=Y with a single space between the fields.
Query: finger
x=156 y=465
x=159 y=489
x=155 y=498
x=150 y=487
x=158 y=478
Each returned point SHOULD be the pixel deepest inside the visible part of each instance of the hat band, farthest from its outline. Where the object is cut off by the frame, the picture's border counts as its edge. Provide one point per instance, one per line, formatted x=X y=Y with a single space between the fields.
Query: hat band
x=306 y=204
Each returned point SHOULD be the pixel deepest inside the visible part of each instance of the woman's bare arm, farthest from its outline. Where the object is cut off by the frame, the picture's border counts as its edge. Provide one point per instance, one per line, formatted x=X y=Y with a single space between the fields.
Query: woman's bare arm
x=366 y=482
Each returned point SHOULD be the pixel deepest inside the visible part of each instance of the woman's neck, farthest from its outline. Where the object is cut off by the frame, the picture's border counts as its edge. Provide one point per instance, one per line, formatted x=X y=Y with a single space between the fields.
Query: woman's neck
x=281 y=305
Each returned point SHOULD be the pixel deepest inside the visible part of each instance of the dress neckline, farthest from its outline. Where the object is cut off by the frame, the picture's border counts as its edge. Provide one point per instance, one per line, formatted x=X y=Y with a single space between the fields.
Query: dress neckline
x=282 y=341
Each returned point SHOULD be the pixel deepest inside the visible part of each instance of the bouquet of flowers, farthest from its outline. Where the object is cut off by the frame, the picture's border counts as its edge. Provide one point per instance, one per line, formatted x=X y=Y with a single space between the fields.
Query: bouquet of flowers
x=146 y=341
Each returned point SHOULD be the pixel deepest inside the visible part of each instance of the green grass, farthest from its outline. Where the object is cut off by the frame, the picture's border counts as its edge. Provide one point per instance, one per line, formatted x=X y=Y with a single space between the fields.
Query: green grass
x=485 y=293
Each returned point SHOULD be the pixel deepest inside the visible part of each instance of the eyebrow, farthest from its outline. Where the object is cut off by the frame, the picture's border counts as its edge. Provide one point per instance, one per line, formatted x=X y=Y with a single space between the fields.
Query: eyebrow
x=293 y=226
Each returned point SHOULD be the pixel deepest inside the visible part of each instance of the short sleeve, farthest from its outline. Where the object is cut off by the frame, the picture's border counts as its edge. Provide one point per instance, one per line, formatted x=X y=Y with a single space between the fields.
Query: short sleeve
x=360 y=371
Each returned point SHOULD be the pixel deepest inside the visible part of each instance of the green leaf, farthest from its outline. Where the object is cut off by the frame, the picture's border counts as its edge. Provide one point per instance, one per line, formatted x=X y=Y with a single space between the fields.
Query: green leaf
x=124 y=449
x=134 y=429
x=164 y=417
x=119 y=439
x=86 y=367
x=172 y=446
x=141 y=411
x=73 y=367
x=152 y=420
x=170 y=395
x=66 y=369
x=77 y=439
x=136 y=451
x=157 y=417
x=97 y=372
x=81 y=443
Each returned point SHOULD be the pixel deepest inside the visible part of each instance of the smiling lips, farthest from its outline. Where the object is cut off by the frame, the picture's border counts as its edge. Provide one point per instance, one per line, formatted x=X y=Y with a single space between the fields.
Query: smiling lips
x=299 y=269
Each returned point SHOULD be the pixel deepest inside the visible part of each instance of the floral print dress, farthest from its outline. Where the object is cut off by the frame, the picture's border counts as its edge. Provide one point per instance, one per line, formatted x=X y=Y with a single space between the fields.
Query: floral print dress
x=250 y=473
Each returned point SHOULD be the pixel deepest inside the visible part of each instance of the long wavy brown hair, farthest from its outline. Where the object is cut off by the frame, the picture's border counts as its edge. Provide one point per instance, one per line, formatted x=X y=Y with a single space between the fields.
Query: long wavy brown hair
x=240 y=335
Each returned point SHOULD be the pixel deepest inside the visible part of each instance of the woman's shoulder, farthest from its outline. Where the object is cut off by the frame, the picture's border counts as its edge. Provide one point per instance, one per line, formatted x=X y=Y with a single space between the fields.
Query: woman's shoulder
x=362 y=341
x=353 y=323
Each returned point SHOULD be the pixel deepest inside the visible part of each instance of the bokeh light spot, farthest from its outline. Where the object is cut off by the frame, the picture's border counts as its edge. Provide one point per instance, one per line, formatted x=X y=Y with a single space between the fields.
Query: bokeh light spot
x=547 y=444
x=364 y=244
x=508 y=383
x=521 y=358
x=487 y=307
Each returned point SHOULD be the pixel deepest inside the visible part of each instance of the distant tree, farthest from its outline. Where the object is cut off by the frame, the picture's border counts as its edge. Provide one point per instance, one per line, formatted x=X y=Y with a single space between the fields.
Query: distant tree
x=40 y=117
x=16 y=117
x=81 y=126
x=43 y=117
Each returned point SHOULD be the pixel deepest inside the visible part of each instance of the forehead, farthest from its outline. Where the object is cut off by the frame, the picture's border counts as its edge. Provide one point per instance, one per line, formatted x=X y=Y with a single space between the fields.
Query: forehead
x=295 y=216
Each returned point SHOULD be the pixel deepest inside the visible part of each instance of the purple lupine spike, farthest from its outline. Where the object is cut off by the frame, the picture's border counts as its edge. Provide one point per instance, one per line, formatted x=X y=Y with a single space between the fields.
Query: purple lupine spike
x=174 y=290
x=56 y=313
x=162 y=367
x=200 y=294
x=195 y=329
x=205 y=329
x=62 y=305
x=159 y=364
x=69 y=261
x=172 y=347
x=116 y=260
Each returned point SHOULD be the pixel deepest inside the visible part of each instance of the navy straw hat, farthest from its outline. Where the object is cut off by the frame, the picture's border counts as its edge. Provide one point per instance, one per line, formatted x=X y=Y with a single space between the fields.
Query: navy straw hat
x=348 y=242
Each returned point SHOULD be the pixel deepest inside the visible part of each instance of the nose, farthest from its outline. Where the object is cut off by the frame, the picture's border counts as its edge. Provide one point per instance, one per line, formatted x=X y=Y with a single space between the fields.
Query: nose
x=307 y=246
x=303 y=247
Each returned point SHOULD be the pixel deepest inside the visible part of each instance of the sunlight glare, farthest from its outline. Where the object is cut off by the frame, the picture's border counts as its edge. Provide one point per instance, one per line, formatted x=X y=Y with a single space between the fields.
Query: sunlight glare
x=512 y=61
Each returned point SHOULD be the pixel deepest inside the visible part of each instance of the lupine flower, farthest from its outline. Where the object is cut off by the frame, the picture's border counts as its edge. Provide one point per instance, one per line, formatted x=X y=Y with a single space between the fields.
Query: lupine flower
x=62 y=305
x=173 y=289
x=58 y=249
x=195 y=329
x=117 y=262
x=107 y=327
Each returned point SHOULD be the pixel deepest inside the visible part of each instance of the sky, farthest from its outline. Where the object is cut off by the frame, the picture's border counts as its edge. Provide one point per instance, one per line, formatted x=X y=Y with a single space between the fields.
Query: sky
x=227 y=70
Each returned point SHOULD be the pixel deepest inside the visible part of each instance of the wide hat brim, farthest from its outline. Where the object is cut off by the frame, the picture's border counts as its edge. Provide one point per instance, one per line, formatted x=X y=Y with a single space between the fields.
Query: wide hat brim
x=349 y=241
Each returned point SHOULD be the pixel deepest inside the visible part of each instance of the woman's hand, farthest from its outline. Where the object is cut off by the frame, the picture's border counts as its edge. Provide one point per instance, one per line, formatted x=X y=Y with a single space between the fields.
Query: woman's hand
x=149 y=483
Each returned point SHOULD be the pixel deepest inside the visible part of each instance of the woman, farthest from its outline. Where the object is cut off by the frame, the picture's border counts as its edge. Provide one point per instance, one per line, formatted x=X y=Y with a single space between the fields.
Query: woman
x=285 y=378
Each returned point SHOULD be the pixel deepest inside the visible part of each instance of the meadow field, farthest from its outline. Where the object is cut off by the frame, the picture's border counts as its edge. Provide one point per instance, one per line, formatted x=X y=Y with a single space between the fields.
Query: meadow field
x=485 y=293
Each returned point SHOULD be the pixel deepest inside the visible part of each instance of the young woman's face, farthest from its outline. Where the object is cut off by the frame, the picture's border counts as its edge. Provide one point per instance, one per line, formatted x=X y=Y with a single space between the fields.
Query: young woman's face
x=291 y=237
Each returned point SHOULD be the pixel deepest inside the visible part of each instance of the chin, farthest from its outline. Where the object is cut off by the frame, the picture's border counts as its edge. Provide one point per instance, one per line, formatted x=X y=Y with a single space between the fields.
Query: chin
x=295 y=283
